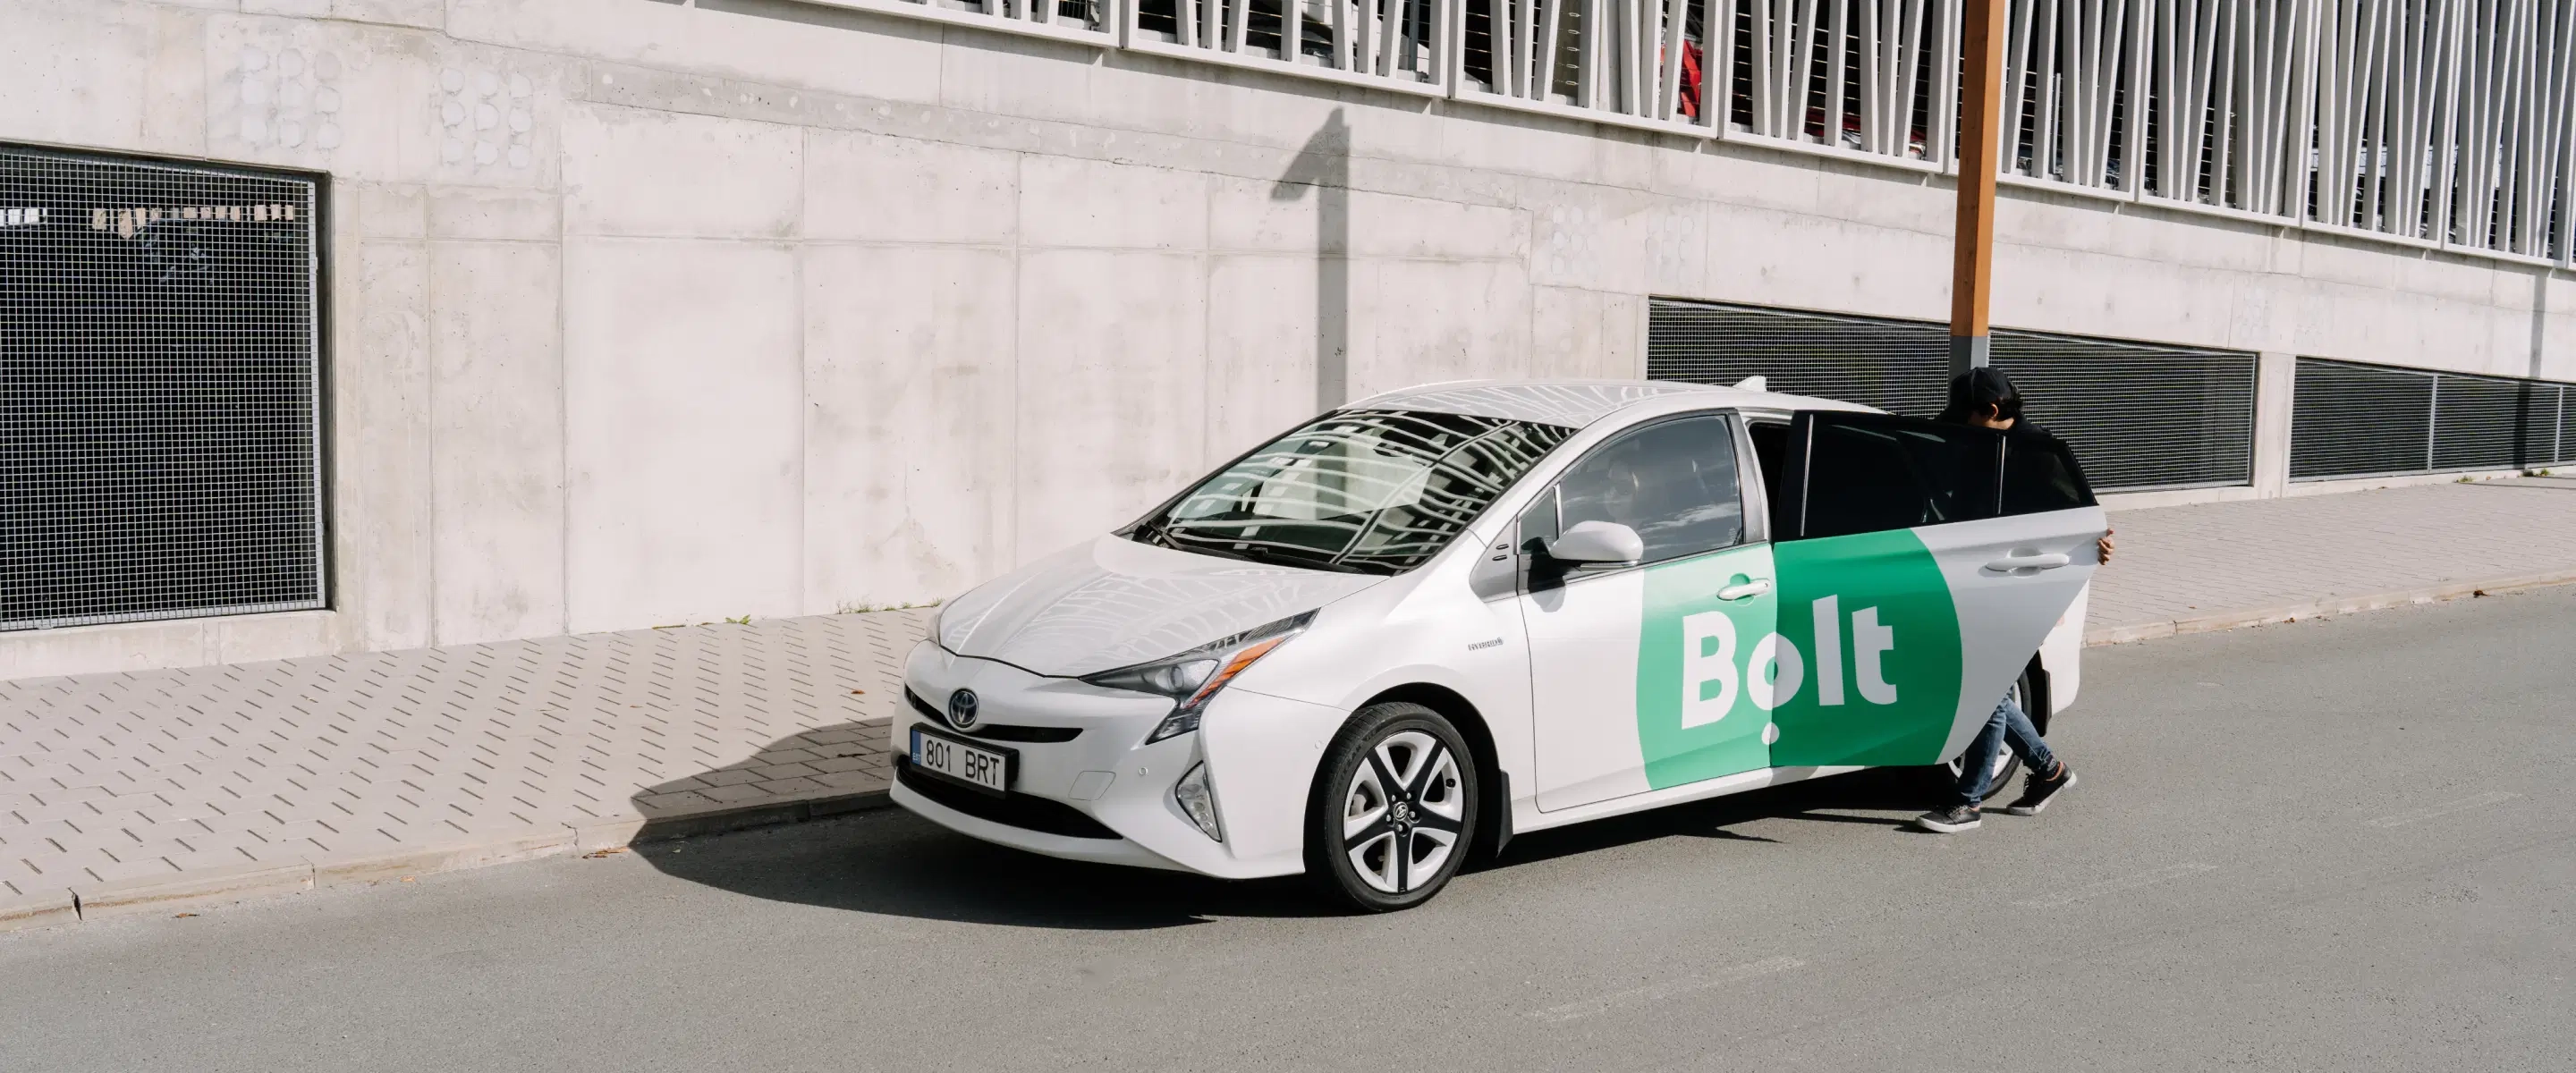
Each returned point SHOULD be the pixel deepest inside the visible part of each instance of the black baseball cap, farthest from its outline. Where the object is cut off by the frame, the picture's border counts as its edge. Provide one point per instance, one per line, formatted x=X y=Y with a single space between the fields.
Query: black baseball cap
x=1979 y=388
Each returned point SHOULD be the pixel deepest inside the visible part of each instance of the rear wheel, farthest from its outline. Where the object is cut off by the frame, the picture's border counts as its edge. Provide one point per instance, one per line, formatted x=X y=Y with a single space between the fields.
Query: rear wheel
x=1393 y=811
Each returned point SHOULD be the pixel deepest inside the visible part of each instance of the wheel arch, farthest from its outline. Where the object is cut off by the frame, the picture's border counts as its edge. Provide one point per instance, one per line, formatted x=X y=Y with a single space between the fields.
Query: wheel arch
x=1494 y=791
x=2042 y=704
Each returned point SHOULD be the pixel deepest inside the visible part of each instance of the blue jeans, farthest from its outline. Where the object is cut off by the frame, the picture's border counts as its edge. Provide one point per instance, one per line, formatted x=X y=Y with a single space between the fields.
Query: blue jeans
x=2009 y=724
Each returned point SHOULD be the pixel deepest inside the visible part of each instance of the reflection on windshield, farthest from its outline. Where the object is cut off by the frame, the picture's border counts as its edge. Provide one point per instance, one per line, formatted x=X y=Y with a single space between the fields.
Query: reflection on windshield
x=1367 y=491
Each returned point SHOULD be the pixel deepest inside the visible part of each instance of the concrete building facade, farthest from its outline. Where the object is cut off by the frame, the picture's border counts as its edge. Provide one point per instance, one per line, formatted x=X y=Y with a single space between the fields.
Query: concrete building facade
x=642 y=312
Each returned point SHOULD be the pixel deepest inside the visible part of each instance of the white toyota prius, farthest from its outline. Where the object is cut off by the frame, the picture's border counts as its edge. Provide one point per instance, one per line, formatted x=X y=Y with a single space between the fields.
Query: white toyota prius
x=1434 y=618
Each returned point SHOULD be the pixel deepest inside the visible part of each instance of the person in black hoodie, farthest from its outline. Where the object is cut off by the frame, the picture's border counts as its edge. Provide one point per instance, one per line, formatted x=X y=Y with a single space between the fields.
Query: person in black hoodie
x=1986 y=398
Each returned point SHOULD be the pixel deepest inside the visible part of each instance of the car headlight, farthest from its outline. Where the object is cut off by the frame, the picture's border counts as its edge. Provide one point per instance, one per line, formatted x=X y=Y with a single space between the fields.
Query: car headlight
x=1191 y=678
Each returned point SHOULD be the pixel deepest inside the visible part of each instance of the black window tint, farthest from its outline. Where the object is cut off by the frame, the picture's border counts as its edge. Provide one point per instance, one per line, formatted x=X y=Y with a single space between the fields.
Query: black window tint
x=2040 y=475
x=1674 y=483
x=1867 y=474
x=1770 y=446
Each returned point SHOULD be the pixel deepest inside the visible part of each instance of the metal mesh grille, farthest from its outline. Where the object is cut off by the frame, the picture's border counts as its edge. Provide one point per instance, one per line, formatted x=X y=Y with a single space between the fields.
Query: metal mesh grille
x=2491 y=424
x=2566 y=424
x=159 y=385
x=2358 y=420
x=1900 y=366
x=2353 y=420
x=2139 y=415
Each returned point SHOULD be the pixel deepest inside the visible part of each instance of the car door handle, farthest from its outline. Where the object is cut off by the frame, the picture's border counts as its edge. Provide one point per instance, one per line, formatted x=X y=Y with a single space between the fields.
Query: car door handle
x=1749 y=588
x=2010 y=563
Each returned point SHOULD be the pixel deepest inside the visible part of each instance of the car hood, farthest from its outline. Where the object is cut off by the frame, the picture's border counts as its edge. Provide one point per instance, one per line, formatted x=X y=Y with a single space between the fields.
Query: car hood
x=1114 y=602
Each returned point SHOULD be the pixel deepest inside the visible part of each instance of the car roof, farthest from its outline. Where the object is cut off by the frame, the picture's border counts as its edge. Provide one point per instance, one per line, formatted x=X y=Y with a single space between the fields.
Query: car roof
x=1579 y=403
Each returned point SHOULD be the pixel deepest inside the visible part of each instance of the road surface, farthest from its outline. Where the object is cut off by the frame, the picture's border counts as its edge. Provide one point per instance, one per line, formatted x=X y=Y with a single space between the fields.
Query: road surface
x=2334 y=845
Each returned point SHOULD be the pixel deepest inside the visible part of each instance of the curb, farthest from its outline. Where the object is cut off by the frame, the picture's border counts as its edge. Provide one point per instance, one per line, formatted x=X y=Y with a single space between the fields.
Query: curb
x=2332 y=605
x=127 y=897
x=221 y=886
x=37 y=911
x=500 y=847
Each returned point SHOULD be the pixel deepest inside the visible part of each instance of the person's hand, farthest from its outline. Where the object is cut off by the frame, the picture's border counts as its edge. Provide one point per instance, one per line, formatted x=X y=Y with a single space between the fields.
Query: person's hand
x=2104 y=545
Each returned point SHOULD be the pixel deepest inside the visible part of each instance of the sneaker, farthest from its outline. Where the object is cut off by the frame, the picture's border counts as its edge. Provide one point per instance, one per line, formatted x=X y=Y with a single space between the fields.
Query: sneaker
x=1949 y=821
x=2036 y=791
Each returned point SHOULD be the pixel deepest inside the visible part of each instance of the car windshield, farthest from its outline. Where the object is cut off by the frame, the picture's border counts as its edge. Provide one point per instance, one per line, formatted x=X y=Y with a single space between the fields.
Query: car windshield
x=1359 y=491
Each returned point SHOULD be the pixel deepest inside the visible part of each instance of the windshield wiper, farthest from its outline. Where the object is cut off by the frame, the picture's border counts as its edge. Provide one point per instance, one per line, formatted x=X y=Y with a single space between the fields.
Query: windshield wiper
x=1254 y=554
x=1250 y=552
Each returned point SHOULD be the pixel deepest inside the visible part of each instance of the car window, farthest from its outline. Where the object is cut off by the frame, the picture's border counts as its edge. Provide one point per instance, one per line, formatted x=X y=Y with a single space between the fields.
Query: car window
x=2040 y=475
x=1867 y=473
x=1360 y=491
x=1770 y=447
x=1674 y=482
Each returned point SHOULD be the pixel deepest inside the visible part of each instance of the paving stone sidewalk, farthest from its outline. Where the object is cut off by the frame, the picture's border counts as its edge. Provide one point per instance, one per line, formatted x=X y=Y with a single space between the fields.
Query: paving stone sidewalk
x=2215 y=560
x=133 y=788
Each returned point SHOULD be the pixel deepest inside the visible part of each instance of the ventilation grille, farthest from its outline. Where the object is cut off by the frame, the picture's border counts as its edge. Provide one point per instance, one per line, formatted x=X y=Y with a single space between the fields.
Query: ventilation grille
x=2140 y=416
x=1900 y=366
x=2566 y=424
x=159 y=377
x=2352 y=420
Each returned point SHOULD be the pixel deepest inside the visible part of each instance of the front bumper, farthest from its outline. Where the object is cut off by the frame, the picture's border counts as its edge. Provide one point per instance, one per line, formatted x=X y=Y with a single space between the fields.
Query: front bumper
x=1105 y=773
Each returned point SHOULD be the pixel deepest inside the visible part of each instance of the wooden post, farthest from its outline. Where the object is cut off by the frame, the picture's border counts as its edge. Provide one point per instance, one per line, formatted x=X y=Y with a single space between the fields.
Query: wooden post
x=1981 y=131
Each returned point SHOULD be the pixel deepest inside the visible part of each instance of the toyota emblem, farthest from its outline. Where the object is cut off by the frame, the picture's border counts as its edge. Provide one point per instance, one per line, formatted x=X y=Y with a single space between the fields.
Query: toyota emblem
x=961 y=709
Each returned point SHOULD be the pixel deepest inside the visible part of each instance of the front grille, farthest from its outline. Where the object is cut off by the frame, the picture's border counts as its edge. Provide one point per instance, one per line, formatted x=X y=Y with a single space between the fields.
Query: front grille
x=992 y=731
x=1010 y=810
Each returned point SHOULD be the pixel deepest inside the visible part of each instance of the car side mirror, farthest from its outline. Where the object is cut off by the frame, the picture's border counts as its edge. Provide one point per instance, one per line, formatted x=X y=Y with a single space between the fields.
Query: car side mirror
x=1597 y=542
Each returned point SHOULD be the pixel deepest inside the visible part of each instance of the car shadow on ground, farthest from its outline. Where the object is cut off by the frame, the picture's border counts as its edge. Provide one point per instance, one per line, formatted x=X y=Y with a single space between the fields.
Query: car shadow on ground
x=890 y=862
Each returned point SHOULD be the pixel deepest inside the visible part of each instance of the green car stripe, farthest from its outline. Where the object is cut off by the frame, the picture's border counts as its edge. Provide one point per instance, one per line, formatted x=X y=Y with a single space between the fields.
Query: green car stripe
x=1852 y=659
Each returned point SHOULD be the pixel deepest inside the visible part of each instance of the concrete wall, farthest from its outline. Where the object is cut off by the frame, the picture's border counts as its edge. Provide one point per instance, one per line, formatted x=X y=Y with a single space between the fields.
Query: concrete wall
x=648 y=312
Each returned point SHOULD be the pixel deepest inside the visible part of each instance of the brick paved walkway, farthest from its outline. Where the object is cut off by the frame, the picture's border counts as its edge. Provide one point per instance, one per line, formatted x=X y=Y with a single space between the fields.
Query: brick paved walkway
x=366 y=766
x=118 y=778
x=2190 y=562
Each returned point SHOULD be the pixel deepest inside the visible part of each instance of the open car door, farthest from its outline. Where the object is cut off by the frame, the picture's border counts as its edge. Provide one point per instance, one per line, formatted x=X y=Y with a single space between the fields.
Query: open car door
x=1920 y=566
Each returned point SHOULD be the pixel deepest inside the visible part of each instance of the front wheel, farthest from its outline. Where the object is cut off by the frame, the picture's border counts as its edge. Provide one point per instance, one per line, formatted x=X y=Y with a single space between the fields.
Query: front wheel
x=1393 y=810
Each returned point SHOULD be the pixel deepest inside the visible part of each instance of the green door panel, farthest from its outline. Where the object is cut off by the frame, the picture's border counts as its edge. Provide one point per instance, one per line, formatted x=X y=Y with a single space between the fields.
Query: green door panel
x=1697 y=716
x=1867 y=621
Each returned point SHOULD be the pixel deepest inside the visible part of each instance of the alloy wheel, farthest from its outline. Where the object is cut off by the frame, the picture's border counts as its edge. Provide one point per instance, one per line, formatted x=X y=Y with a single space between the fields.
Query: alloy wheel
x=1404 y=812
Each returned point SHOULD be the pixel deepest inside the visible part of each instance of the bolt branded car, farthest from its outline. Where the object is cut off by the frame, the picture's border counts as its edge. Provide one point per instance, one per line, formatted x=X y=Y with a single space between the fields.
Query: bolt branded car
x=1432 y=619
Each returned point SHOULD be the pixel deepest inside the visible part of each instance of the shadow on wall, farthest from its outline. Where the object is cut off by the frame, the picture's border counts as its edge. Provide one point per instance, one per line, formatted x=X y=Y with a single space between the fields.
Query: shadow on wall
x=1323 y=166
x=892 y=863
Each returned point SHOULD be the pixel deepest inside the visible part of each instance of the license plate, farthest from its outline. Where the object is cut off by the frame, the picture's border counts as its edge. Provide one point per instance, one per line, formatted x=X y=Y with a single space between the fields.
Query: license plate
x=939 y=754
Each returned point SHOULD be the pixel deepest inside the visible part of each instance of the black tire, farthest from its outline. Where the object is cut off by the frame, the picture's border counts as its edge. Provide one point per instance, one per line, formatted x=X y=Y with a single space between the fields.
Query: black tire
x=2007 y=765
x=1399 y=859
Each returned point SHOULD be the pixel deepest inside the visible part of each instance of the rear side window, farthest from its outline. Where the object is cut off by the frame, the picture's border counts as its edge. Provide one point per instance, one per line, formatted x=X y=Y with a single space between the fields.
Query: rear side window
x=1867 y=473
x=2040 y=475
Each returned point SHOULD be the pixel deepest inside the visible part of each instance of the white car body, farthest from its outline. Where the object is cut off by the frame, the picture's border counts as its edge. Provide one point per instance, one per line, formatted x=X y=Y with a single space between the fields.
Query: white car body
x=1544 y=682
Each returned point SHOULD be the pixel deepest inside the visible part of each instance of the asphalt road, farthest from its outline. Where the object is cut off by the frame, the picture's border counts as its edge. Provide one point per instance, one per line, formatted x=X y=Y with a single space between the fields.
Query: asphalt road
x=2341 y=845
